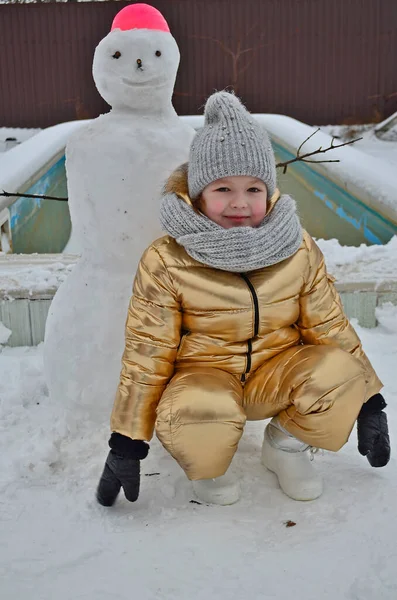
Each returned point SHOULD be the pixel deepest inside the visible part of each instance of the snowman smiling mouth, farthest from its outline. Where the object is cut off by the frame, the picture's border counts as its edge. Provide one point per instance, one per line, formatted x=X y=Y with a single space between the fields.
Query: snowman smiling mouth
x=139 y=83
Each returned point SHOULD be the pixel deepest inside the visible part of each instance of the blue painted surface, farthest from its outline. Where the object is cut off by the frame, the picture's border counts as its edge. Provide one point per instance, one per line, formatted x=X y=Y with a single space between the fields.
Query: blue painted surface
x=24 y=207
x=356 y=219
x=42 y=225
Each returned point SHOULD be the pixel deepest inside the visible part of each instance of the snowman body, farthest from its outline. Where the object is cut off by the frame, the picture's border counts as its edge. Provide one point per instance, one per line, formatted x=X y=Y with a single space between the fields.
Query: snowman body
x=116 y=167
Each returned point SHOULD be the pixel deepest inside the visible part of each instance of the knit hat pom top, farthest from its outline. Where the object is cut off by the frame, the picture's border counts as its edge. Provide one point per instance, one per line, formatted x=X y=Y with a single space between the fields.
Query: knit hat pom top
x=230 y=143
x=223 y=106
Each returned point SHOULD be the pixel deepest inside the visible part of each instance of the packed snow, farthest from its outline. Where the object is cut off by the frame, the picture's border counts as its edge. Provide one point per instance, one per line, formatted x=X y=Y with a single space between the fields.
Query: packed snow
x=384 y=148
x=13 y=136
x=57 y=542
x=33 y=275
x=348 y=264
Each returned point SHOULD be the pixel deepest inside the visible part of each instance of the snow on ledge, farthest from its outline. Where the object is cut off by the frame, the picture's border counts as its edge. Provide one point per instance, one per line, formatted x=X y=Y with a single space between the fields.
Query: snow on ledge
x=33 y=275
x=363 y=268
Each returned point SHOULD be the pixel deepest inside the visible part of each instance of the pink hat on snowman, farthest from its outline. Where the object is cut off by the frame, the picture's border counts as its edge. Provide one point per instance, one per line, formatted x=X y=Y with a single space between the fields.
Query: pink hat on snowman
x=140 y=16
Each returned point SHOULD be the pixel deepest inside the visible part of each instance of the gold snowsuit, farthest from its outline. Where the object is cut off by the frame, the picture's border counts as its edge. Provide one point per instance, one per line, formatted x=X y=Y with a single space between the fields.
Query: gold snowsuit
x=207 y=349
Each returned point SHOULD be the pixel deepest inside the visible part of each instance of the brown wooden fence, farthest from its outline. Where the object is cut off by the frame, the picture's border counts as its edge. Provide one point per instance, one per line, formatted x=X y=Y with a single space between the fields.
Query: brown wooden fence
x=319 y=61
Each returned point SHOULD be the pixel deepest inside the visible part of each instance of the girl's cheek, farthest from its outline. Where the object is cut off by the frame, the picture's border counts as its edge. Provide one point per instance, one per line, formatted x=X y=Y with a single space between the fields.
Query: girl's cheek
x=259 y=207
x=217 y=206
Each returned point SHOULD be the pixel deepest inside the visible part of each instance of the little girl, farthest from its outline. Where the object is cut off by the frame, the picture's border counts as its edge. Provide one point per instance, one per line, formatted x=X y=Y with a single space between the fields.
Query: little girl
x=234 y=317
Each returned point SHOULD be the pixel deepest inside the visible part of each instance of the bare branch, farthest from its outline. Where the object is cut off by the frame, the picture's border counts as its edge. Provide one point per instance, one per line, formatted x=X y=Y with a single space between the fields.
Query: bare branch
x=307 y=139
x=383 y=96
x=303 y=157
x=251 y=29
x=317 y=162
x=255 y=48
x=249 y=63
x=38 y=196
x=211 y=39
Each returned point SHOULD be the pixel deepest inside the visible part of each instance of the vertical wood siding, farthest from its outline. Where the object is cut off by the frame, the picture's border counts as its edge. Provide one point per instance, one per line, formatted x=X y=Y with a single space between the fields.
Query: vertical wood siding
x=319 y=61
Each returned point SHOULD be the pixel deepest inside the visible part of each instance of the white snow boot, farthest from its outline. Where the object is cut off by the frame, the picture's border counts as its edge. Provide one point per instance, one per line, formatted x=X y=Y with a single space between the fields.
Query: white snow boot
x=222 y=490
x=291 y=460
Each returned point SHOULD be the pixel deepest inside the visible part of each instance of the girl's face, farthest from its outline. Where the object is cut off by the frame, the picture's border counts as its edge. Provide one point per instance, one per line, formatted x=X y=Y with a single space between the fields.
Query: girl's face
x=236 y=201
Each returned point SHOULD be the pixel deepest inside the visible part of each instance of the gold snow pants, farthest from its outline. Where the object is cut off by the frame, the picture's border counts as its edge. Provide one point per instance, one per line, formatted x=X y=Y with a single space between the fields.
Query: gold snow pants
x=317 y=391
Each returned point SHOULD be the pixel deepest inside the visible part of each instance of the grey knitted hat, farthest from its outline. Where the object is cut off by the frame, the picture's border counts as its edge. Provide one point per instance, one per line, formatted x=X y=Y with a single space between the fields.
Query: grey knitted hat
x=230 y=143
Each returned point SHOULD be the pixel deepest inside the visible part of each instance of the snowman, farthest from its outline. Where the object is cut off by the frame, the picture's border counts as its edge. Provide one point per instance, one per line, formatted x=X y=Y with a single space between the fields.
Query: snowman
x=116 y=166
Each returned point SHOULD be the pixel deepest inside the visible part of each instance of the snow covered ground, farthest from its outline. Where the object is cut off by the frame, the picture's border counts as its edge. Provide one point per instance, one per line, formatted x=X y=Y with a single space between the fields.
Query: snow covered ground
x=57 y=543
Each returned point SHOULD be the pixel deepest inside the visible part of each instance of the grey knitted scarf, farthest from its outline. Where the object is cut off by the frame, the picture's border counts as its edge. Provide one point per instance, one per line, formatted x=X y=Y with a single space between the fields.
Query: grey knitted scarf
x=238 y=249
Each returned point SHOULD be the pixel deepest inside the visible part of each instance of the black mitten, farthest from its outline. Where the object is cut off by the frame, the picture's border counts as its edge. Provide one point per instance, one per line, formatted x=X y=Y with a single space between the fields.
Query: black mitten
x=373 y=432
x=122 y=469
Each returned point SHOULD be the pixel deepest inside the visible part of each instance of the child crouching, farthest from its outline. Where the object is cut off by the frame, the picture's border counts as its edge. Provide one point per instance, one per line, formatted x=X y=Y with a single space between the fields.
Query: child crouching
x=234 y=317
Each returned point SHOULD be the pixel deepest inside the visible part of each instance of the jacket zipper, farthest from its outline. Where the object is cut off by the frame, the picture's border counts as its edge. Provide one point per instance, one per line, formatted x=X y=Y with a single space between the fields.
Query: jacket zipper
x=256 y=324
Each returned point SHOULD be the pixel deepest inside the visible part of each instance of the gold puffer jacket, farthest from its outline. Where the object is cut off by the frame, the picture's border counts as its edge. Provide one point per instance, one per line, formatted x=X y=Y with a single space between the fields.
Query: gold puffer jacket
x=184 y=315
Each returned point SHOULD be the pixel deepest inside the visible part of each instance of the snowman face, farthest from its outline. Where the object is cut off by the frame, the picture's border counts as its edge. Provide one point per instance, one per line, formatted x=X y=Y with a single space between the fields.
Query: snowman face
x=128 y=64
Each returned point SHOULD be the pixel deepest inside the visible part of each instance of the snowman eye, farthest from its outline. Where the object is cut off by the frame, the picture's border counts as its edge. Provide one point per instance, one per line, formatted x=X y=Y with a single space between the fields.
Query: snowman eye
x=117 y=54
x=158 y=53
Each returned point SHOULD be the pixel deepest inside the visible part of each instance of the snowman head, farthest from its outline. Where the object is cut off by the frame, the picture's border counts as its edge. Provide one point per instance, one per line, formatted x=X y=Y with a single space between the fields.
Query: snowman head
x=135 y=65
